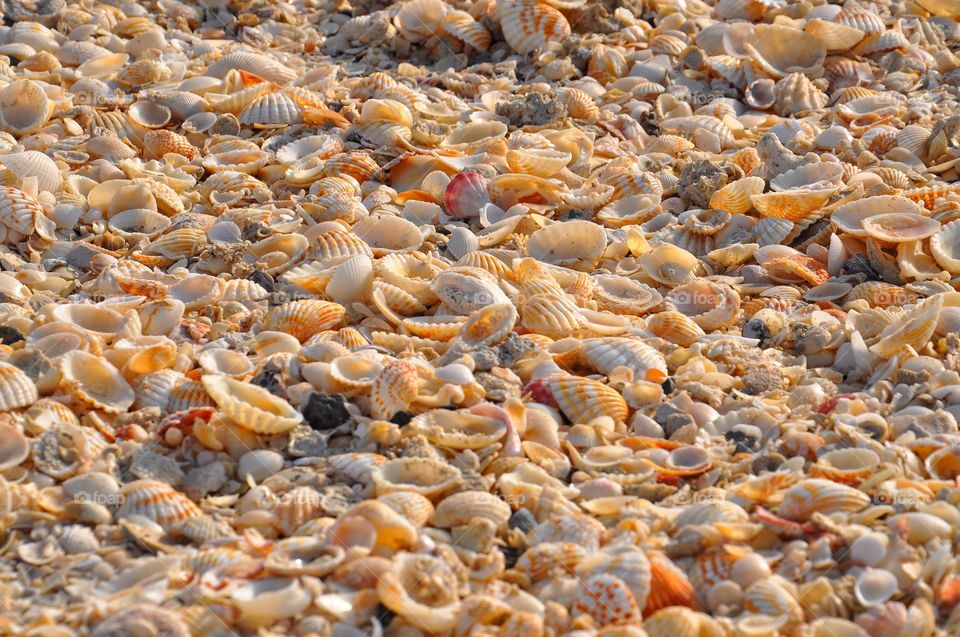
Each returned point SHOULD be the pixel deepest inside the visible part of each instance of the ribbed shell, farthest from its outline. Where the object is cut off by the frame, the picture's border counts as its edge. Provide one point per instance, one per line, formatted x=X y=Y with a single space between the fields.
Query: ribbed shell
x=272 y=110
x=18 y=210
x=606 y=354
x=261 y=65
x=463 y=508
x=628 y=563
x=297 y=507
x=394 y=389
x=669 y=586
x=463 y=27
x=16 y=388
x=303 y=319
x=582 y=399
x=608 y=600
x=528 y=25
x=820 y=496
x=156 y=501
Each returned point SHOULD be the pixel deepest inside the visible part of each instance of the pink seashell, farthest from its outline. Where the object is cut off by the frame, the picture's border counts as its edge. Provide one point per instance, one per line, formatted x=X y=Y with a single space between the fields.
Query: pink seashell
x=466 y=194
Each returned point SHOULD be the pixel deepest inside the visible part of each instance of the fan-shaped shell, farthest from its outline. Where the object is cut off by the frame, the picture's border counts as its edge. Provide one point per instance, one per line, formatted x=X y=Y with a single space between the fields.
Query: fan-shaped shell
x=735 y=196
x=303 y=319
x=576 y=244
x=607 y=354
x=528 y=25
x=820 y=496
x=582 y=399
x=157 y=502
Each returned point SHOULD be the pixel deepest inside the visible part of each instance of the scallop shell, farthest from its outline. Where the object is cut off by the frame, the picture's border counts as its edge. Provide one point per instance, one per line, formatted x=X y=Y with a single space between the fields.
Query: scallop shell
x=303 y=319
x=675 y=327
x=607 y=600
x=916 y=331
x=581 y=399
x=251 y=406
x=820 y=496
x=394 y=389
x=835 y=36
x=795 y=95
x=900 y=227
x=157 y=502
x=735 y=197
x=529 y=25
x=462 y=508
x=31 y=163
x=463 y=27
x=796 y=204
x=622 y=295
x=272 y=110
x=669 y=586
x=260 y=65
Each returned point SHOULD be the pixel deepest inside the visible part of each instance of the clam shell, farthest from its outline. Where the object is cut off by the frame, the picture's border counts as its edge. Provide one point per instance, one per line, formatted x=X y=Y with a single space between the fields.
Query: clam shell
x=459 y=429
x=581 y=399
x=303 y=319
x=156 y=501
x=900 y=227
x=820 y=496
x=779 y=50
x=394 y=389
x=94 y=383
x=575 y=244
x=607 y=354
x=24 y=107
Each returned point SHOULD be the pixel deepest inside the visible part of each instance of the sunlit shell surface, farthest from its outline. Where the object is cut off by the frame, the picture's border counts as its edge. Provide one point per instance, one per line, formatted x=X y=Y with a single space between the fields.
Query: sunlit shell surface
x=487 y=318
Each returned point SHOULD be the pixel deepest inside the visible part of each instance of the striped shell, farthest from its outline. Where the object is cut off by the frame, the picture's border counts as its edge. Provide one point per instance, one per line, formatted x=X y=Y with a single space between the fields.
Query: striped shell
x=627 y=563
x=272 y=110
x=606 y=354
x=460 y=509
x=157 y=502
x=528 y=25
x=581 y=399
x=250 y=406
x=820 y=496
x=735 y=197
x=394 y=389
x=303 y=319
x=608 y=600
x=463 y=27
x=669 y=586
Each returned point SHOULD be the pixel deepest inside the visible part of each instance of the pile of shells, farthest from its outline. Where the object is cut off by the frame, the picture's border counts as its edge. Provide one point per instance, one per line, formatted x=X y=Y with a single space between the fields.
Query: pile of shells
x=516 y=318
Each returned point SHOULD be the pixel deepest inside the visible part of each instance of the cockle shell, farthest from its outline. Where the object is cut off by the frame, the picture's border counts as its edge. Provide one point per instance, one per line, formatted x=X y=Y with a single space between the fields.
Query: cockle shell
x=303 y=319
x=393 y=389
x=427 y=477
x=24 y=107
x=459 y=429
x=574 y=244
x=607 y=354
x=157 y=502
x=820 y=496
x=250 y=406
x=582 y=400
x=777 y=51
x=528 y=25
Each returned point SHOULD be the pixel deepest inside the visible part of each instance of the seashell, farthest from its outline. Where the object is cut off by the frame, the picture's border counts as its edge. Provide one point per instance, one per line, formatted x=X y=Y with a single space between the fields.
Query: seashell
x=581 y=400
x=303 y=319
x=298 y=506
x=412 y=506
x=576 y=244
x=429 y=607
x=149 y=114
x=675 y=327
x=793 y=205
x=459 y=429
x=916 y=331
x=261 y=65
x=488 y=326
x=94 y=383
x=463 y=27
x=735 y=197
x=670 y=265
x=608 y=600
x=17 y=389
x=429 y=478
x=820 y=496
x=835 y=36
x=710 y=305
x=669 y=586
x=528 y=25
x=394 y=389
x=673 y=620
x=264 y=602
x=272 y=110
x=629 y=210
x=607 y=354
x=900 y=227
x=156 y=501
x=774 y=49
x=157 y=620
x=539 y=162
x=466 y=194
x=875 y=586
x=462 y=508
x=795 y=94
x=846 y=465
x=250 y=406
x=31 y=163
x=158 y=143
x=24 y=107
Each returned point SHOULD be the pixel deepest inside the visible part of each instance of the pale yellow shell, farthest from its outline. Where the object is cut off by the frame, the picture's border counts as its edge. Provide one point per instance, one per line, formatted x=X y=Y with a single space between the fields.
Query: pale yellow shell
x=250 y=406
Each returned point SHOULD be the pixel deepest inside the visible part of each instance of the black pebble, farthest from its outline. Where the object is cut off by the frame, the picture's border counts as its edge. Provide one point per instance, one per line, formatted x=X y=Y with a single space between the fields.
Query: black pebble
x=271 y=379
x=384 y=615
x=522 y=520
x=510 y=555
x=9 y=336
x=744 y=442
x=668 y=386
x=325 y=411
x=402 y=418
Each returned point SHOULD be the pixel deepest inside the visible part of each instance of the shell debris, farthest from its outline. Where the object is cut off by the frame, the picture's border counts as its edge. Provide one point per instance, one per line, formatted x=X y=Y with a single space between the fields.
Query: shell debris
x=525 y=318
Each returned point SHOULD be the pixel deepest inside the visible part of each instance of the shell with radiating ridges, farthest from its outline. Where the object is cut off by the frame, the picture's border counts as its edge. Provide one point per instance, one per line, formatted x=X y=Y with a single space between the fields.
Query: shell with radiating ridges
x=607 y=354
x=528 y=25
x=820 y=496
x=250 y=406
x=303 y=319
x=394 y=389
x=581 y=399
x=156 y=501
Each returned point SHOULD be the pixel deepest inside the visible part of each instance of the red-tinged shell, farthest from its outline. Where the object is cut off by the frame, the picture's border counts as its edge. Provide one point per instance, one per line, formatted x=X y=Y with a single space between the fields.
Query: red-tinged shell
x=466 y=194
x=156 y=501
x=394 y=389
x=528 y=25
x=303 y=319
x=607 y=600
x=582 y=399
x=549 y=559
x=158 y=143
x=18 y=210
x=669 y=586
x=539 y=391
x=798 y=266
